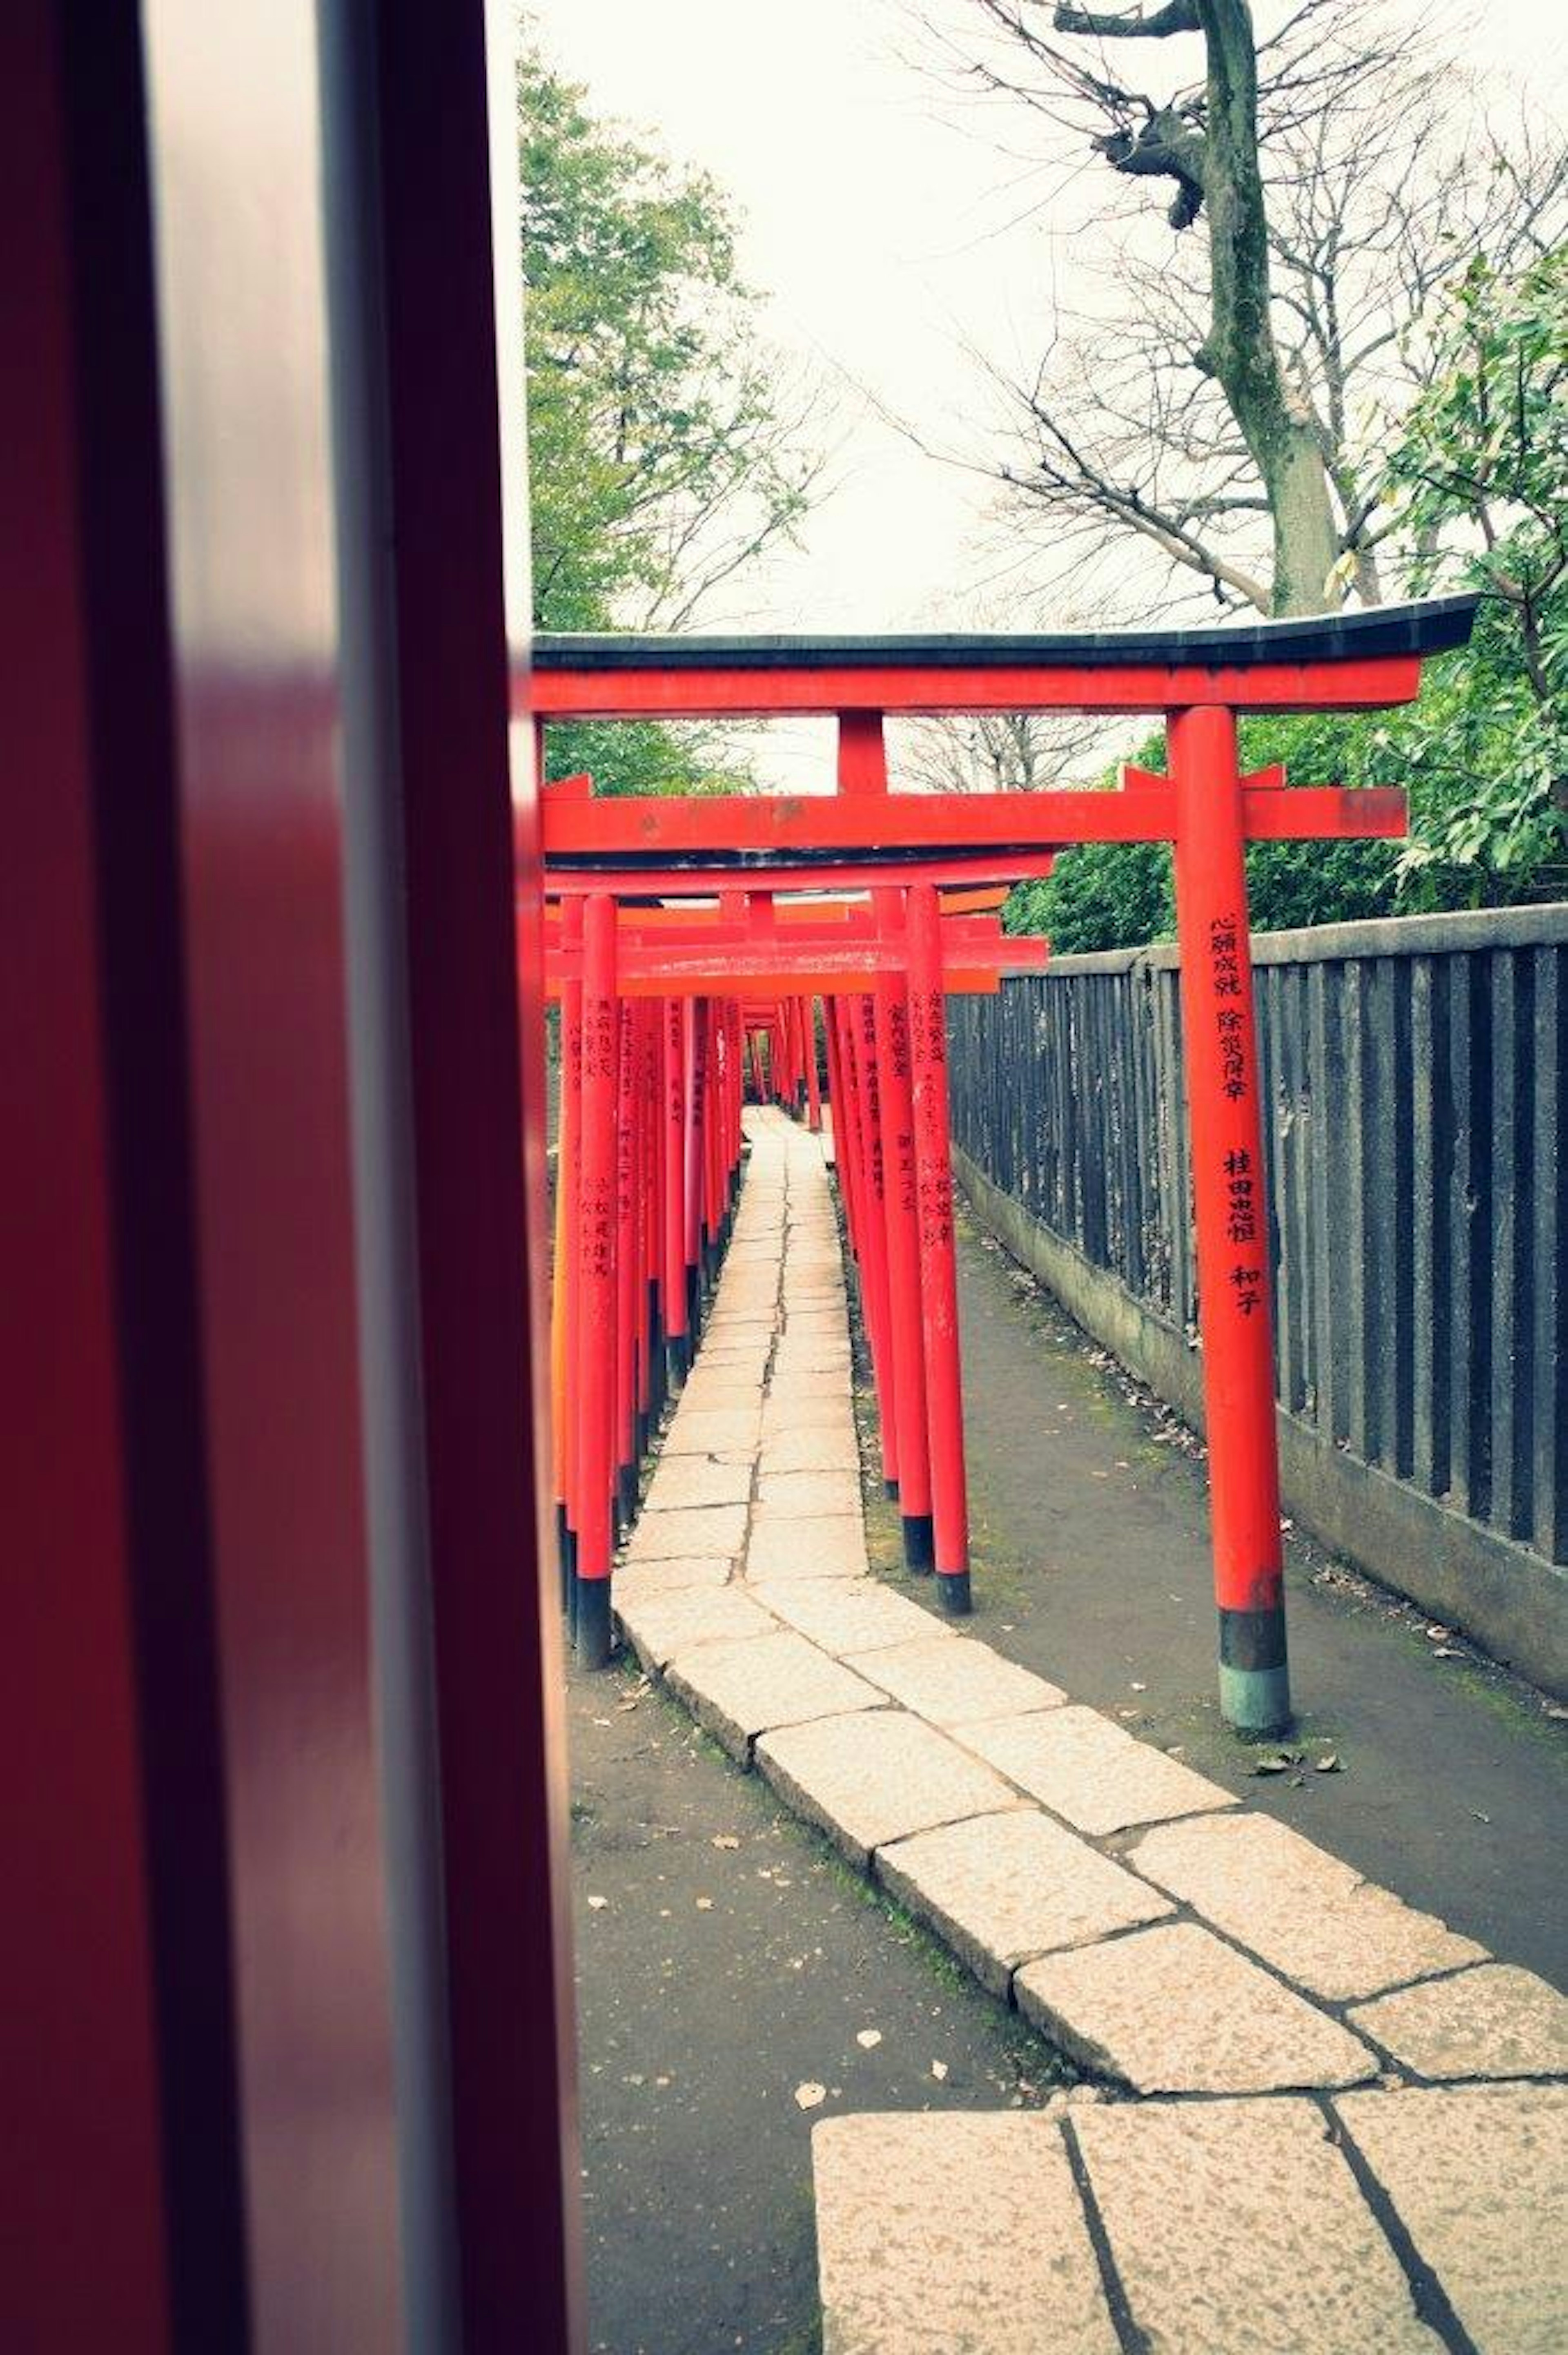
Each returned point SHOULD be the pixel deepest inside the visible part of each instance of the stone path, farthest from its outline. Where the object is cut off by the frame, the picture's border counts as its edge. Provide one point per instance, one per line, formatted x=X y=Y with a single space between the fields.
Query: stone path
x=1354 y=2129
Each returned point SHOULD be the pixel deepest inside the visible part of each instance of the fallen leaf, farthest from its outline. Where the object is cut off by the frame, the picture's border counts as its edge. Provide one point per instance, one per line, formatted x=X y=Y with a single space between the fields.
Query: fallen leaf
x=1138 y=1688
x=597 y=1904
x=1271 y=1765
x=1478 y=1817
x=1554 y=1710
x=809 y=2097
x=1446 y=1652
x=1328 y=1764
x=868 y=2038
x=726 y=1839
x=704 y=1904
x=939 y=2071
x=1439 y=1634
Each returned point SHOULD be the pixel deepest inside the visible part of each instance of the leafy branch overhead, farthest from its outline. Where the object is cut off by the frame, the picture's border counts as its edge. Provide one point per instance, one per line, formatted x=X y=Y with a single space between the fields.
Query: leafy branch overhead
x=669 y=447
x=1172 y=409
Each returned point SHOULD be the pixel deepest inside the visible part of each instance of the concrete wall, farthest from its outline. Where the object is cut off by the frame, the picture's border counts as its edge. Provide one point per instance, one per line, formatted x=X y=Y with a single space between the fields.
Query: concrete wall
x=1413 y=1074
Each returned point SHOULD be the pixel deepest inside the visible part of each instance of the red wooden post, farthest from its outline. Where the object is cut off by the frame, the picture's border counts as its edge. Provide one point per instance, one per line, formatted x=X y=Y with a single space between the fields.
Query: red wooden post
x=673 y=1120
x=904 y=1267
x=568 y=1180
x=628 y=1275
x=1232 y=1219
x=696 y=1110
x=651 y=1368
x=843 y=1150
x=874 y=1232
x=940 y=1288
x=814 y=1084
x=596 y=1220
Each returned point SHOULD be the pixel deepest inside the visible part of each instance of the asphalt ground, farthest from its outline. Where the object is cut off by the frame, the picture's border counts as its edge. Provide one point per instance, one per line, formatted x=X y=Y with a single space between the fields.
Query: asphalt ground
x=716 y=1980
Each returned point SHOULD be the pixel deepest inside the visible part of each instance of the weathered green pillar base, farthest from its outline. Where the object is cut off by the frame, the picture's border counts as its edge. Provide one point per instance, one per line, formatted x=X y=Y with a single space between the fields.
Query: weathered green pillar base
x=1254 y=1672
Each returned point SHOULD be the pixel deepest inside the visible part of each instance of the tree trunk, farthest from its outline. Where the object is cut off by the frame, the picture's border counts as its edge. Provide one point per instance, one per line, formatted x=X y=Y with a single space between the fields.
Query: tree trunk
x=1241 y=349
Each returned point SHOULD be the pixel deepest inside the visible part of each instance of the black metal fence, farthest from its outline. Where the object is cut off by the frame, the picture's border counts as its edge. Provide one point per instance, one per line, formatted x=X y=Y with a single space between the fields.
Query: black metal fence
x=1414 y=1076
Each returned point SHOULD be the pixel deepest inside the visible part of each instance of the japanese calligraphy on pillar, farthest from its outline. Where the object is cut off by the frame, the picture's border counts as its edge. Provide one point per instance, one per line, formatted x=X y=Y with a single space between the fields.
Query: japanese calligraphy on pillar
x=928 y=1053
x=898 y=1057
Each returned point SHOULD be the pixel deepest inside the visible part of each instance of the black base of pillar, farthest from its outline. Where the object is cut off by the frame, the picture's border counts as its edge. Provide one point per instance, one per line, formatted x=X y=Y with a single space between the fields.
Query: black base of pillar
x=592 y=1628
x=626 y=1496
x=645 y=1424
x=567 y=1554
x=919 y=1542
x=953 y=1586
x=890 y=1490
x=677 y=1363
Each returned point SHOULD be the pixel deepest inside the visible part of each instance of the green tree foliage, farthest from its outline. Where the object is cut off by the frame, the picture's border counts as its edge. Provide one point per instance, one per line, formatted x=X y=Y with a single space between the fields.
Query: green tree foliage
x=666 y=443
x=1478 y=466
x=1481 y=464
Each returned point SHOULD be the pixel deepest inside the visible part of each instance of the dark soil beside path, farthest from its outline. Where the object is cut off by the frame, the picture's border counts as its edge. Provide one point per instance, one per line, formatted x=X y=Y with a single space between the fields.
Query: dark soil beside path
x=1088 y=1511
x=713 y=1981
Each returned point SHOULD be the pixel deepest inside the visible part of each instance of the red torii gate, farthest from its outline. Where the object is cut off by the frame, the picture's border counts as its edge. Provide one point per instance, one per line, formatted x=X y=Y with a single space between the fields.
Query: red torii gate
x=1201 y=680
x=649 y=1140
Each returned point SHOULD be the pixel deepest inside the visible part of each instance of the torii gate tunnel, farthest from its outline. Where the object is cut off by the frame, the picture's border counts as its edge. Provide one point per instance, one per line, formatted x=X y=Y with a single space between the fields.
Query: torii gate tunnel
x=654 y=1041
x=866 y=838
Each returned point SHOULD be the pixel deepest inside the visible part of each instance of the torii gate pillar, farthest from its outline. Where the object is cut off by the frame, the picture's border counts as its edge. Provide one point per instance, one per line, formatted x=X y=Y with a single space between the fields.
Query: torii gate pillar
x=1220 y=1055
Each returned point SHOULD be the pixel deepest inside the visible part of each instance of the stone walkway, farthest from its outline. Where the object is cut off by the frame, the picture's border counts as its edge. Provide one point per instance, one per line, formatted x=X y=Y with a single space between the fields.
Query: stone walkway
x=1353 y=2125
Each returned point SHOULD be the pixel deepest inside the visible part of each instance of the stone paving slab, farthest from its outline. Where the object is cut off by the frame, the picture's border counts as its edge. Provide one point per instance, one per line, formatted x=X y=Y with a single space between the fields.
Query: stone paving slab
x=721 y=1389
x=665 y=1628
x=748 y=1360
x=697 y=1530
x=801 y=1364
x=793 y=1545
x=810 y=1405
x=1479 y=2177
x=845 y=1615
x=739 y=1690
x=876 y=1776
x=954 y=1680
x=681 y=1481
x=1175 y=2010
x=677 y=1576
x=1493 y=2021
x=954 y=2234
x=1312 y=1917
x=1088 y=1770
x=1002 y=1889
x=826 y=1447
x=713 y=1432
x=1238 y=2229
x=797 y=1493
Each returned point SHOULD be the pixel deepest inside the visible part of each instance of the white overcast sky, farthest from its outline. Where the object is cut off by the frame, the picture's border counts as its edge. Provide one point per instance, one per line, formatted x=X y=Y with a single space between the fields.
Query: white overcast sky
x=886 y=234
